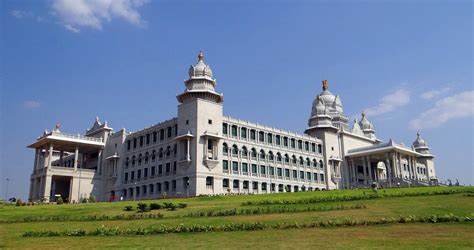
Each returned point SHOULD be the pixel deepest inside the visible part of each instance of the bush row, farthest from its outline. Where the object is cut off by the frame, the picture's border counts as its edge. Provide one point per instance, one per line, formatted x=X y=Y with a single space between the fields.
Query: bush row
x=162 y=229
x=86 y=218
x=365 y=196
x=143 y=207
x=271 y=210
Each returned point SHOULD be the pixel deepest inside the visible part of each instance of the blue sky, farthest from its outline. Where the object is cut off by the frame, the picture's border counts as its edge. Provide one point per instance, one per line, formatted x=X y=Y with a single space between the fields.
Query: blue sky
x=408 y=64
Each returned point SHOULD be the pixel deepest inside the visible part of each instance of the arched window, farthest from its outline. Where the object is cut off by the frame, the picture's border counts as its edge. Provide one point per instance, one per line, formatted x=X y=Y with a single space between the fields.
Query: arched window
x=308 y=162
x=262 y=154
x=160 y=153
x=293 y=159
x=253 y=153
x=133 y=160
x=244 y=151
x=320 y=148
x=225 y=148
x=270 y=156
x=168 y=151
x=175 y=149
x=235 y=150
x=139 y=159
x=234 y=130
x=278 y=157
x=146 y=157
x=153 y=155
x=287 y=158
x=321 y=164
x=126 y=161
x=301 y=161
x=315 y=163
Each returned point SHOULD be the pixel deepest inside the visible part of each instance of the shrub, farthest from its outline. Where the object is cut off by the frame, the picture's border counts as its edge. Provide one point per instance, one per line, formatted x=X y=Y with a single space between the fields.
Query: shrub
x=92 y=198
x=155 y=206
x=172 y=207
x=128 y=208
x=143 y=207
x=84 y=200
x=18 y=202
x=59 y=201
x=182 y=205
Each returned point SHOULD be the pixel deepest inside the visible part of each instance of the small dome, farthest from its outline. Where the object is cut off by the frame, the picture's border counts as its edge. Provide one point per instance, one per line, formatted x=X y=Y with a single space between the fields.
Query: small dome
x=319 y=109
x=419 y=142
x=365 y=124
x=200 y=69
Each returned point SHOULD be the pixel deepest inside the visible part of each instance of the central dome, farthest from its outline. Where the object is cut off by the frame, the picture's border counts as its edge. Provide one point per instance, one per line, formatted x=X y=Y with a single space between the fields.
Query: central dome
x=333 y=102
x=200 y=69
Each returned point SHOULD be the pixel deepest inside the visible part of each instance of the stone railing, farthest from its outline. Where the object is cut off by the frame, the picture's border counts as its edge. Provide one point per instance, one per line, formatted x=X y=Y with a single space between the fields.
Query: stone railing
x=78 y=136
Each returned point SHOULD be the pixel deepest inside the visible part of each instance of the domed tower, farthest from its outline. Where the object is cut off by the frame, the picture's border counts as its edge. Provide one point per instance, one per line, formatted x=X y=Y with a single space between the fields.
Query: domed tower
x=367 y=127
x=426 y=158
x=320 y=117
x=200 y=114
x=333 y=106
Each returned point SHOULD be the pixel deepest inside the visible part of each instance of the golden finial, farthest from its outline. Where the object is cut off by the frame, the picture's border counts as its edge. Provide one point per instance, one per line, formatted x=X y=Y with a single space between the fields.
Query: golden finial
x=200 y=56
x=325 y=84
x=318 y=98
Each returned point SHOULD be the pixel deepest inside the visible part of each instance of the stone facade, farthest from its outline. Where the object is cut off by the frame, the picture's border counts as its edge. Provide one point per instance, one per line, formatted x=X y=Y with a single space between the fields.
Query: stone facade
x=203 y=152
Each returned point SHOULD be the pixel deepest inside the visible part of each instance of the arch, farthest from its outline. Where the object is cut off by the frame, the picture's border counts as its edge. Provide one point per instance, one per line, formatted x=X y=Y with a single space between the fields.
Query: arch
x=315 y=163
x=279 y=157
x=168 y=151
x=308 y=162
x=235 y=150
x=321 y=164
x=270 y=156
x=133 y=160
x=146 y=157
x=301 y=160
x=160 y=153
x=253 y=153
x=243 y=132
x=261 y=136
x=244 y=151
x=287 y=158
x=293 y=159
x=262 y=154
x=153 y=155
x=225 y=148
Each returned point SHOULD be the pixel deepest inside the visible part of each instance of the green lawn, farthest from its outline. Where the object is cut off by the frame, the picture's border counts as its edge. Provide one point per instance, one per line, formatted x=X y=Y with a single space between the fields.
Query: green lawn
x=414 y=235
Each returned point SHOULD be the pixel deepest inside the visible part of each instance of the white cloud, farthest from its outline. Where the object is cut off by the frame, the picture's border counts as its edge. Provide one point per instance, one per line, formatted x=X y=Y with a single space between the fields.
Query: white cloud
x=31 y=104
x=76 y=14
x=433 y=93
x=390 y=102
x=452 y=107
x=20 y=14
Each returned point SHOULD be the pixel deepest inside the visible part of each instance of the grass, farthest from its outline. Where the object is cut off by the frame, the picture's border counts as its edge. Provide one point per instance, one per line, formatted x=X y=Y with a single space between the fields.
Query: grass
x=415 y=235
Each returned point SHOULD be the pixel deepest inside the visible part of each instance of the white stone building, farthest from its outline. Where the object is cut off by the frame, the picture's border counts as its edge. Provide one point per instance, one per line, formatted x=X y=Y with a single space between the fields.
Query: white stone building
x=203 y=152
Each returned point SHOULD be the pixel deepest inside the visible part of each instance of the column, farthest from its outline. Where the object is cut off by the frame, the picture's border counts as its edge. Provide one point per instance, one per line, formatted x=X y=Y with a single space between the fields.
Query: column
x=354 y=172
x=414 y=167
x=389 y=170
x=99 y=162
x=188 y=158
x=50 y=155
x=394 y=165
x=47 y=188
x=76 y=158
x=370 y=172
x=364 y=164
x=36 y=160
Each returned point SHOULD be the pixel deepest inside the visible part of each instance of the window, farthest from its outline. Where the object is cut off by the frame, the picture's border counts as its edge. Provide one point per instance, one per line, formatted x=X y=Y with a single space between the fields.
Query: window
x=224 y=128
x=279 y=172
x=225 y=148
x=169 y=132
x=306 y=146
x=285 y=141
x=308 y=162
x=235 y=150
x=243 y=133
x=244 y=151
x=145 y=172
x=271 y=171
x=261 y=136
x=167 y=186
x=162 y=134
x=308 y=176
x=255 y=185
x=262 y=170
x=146 y=157
x=253 y=153
x=287 y=158
x=225 y=165
x=293 y=159
x=155 y=136
x=245 y=168
x=270 y=156
x=128 y=145
x=254 y=168
x=278 y=157
x=262 y=154
x=315 y=163
x=235 y=184
x=322 y=177
x=141 y=141
x=295 y=174
x=301 y=161
x=174 y=167
x=147 y=139
x=158 y=187
x=139 y=159
x=302 y=175
x=225 y=183
x=287 y=173
x=209 y=122
x=252 y=134
x=293 y=143
x=209 y=181
x=144 y=189
x=153 y=171
x=315 y=177
x=173 y=184
x=277 y=140
x=264 y=186
x=139 y=174
x=126 y=161
x=160 y=169
x=151 y=188
x=132 y=175
x=320 y=148
x=126 y=177
x=245 y=185
x=321 y=164
x=270 y=138
x=134 y=143
x=187 y=122
x=300 y=144
x=235 y=166
x=168 y=167
x=234 y=130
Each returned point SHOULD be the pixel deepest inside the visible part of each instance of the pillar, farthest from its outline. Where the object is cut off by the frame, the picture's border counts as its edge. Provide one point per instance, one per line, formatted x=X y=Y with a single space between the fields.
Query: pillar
x=37 y=153
x=188 y=158
x=370 y=172
x=76 y=158
x=47 y=188
x=364 y=164
x=99 y=162
x=50 y=155
x=389 y=171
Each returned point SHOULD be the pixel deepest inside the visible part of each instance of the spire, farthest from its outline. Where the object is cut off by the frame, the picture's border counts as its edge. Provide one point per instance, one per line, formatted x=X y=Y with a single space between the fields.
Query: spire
x=363 y=114
x=200 y=56
x=325 y=85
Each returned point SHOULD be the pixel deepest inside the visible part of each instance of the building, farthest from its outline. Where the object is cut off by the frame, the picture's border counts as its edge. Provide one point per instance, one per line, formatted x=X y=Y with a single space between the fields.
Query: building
x=203 y=152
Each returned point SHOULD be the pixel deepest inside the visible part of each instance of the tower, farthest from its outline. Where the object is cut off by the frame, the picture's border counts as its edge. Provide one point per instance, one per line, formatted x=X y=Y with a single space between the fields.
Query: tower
x=426 y=158
x=199 y=129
